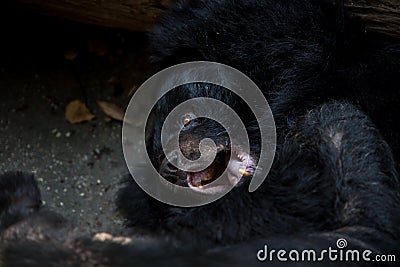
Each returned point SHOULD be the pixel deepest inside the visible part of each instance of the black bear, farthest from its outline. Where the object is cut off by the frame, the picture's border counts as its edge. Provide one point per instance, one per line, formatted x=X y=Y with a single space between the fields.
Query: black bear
x=324 y=76
x=328 y=83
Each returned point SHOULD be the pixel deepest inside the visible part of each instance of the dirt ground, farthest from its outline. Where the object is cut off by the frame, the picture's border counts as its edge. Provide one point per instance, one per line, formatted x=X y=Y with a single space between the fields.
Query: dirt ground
x=44 y=65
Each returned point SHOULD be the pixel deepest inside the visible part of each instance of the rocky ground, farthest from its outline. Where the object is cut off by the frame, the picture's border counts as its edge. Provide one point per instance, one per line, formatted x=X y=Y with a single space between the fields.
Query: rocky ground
x=44 y=65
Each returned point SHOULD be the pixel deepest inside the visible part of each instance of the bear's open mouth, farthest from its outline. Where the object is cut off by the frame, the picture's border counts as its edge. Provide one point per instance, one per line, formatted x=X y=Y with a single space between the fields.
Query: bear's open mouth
x=211 y=173
x=237 y=164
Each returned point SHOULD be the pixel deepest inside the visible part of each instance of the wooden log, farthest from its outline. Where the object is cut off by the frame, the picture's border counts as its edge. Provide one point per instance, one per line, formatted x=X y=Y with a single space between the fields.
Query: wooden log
x=379 y=15
x=137 y=15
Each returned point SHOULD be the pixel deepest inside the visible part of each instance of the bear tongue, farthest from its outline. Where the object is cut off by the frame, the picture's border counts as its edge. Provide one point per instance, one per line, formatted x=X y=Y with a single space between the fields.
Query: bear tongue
x=195 y=178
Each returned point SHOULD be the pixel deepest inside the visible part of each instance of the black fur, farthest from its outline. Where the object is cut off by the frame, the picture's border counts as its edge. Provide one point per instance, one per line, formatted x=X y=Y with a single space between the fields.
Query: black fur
x=337 y=180
x=333 y=169
x=20 y=196
x=301 y=53
x=334 y=177
x=333 y=90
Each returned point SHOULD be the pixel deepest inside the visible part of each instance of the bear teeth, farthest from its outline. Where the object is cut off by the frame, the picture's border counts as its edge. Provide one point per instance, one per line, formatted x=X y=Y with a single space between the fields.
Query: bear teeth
x=244 y=172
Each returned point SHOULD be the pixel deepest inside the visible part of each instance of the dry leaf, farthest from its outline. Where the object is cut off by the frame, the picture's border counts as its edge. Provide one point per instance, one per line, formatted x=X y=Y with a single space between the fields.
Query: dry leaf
x=112 y=110
x=77 y=112
x=70 y=55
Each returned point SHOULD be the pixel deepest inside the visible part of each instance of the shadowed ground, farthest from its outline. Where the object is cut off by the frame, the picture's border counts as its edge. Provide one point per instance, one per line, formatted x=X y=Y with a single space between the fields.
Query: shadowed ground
x=78 y=166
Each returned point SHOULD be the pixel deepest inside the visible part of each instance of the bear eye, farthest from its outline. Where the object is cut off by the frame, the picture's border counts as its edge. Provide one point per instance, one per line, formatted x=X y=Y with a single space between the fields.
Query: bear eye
x=187 y=118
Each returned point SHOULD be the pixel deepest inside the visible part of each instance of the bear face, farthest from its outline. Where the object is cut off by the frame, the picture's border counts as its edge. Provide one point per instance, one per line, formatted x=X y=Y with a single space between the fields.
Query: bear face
x=195 y=130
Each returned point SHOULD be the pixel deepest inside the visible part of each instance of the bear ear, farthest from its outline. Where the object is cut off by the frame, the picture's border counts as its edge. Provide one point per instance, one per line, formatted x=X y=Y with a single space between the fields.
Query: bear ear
x=19 y=196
